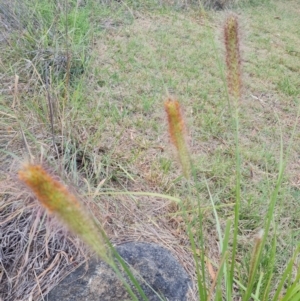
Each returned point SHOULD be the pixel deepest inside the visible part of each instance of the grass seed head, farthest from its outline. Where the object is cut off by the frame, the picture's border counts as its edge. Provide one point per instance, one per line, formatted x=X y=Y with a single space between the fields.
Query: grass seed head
x=56 y=198
x=255 y=253
x=233 y=57
x=177 y=134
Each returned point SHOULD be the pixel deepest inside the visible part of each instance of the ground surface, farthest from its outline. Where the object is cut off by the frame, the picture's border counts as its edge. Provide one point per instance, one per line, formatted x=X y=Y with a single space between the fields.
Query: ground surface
x=87 y=100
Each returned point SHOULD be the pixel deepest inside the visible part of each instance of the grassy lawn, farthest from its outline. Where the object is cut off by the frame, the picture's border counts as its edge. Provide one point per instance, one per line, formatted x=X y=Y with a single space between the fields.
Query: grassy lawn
x=84 y=93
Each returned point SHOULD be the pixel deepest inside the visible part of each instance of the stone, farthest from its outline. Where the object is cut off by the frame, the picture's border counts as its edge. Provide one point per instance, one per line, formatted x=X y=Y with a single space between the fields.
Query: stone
x=97 y=282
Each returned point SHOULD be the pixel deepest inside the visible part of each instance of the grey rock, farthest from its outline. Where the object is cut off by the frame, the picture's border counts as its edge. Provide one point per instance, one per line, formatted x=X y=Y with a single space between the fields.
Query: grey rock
x=98 y=282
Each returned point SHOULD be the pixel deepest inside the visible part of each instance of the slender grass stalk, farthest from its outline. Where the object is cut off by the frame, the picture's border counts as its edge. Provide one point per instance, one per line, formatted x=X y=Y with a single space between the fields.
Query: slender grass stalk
x=177 y=135
x=269 y=274
x=219 y=272
x=218 y=226
x=223 y=249
x=237 y=199
x=200 y=269
x=227 y=279
x=140 y=193
x=234 y=83
x=232 y=88
x=259 y=285
x=201 y=272
x=68 y=67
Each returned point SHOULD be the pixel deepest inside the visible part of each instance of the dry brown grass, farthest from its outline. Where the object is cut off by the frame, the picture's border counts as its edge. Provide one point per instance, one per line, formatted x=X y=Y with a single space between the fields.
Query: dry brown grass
x=35 y=252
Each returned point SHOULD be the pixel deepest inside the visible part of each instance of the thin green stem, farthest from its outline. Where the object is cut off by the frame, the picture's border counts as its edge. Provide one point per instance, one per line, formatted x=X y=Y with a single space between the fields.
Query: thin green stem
x=237 y=197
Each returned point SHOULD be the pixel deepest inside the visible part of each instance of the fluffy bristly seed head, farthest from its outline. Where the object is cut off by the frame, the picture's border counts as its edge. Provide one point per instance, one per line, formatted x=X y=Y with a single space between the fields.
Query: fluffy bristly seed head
x=255 y=253
x=233 y=57
x=56 y=198
x=177 y=134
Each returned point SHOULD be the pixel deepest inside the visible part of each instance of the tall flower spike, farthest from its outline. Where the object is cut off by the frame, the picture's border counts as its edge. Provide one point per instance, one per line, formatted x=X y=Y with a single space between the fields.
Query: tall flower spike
x=177 y=134
x=58 y=200
x=233 y=57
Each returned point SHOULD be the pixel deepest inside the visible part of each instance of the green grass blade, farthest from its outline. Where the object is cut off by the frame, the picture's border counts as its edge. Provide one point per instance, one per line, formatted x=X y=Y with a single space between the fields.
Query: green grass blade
x=129 y=274
x=286 y=274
